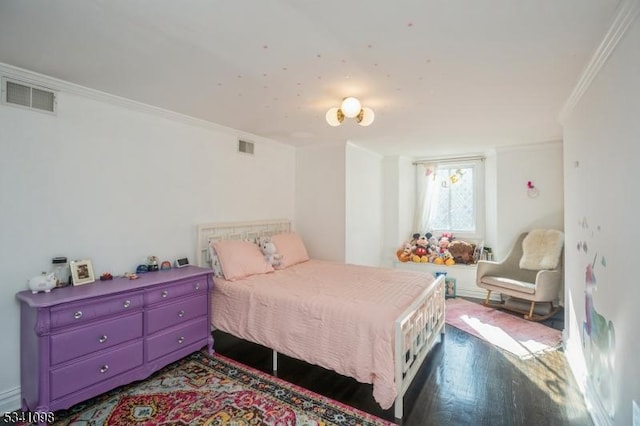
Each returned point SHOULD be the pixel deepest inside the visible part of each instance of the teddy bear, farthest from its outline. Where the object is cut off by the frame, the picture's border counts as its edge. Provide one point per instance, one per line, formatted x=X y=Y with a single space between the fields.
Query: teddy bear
x=462 y=251
x=270 y=252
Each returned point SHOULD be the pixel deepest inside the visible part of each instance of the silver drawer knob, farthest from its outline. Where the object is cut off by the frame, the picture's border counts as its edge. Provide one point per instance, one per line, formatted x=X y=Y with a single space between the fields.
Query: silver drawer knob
x=197 y=286
x=78 y=315
x=165 y=293
x=180 y=339
x=102 y=338
x=127 y=303
x=104 y=368
x=181 y=313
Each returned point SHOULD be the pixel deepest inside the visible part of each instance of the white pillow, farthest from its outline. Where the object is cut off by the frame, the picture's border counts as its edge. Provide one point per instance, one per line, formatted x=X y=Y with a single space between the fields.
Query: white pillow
x=215 y=262
x=541 y=249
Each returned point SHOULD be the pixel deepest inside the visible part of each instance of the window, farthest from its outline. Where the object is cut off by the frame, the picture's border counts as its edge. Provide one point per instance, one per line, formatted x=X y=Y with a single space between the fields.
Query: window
x=450 y=198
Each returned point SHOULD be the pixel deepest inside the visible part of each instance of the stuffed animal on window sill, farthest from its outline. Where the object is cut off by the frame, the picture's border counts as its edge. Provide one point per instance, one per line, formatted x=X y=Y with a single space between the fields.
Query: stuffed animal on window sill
x=443 y=244
x=404 y=254
x=462 y=251
x=270 y=252
x=448 y=259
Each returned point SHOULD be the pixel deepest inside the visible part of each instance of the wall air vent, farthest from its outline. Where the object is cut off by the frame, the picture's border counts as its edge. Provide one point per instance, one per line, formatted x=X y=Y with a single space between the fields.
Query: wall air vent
x=245 y=147
x=28 y=96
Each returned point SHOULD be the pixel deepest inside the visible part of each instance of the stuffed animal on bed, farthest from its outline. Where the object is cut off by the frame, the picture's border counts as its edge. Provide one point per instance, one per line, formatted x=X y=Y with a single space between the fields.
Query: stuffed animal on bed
x=270 y=252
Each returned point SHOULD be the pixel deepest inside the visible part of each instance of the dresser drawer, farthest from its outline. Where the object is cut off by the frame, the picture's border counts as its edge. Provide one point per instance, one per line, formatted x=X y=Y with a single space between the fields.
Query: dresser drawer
x=101 y=335
x=176 y=313
x=178 y=289
x=90 y=371
x=177 y=337
x=82 y=312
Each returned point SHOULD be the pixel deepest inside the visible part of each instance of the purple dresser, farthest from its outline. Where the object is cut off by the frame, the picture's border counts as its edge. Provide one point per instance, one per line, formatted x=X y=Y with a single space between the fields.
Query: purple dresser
x=78 y=342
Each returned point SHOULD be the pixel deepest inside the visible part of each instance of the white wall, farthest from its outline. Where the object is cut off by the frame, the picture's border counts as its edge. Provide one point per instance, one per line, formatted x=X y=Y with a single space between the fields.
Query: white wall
x=602 y=149
x=399 y=203
x=363 y=206
x=115 y=184
x=320 y=200
x=516 y=211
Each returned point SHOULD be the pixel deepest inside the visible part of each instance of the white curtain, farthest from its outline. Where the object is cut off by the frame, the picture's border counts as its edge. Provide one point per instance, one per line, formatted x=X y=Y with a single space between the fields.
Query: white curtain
x=427 y=189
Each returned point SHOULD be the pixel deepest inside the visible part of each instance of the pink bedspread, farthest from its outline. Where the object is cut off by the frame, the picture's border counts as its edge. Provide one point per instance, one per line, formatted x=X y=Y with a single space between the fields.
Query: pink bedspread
x=329 y=314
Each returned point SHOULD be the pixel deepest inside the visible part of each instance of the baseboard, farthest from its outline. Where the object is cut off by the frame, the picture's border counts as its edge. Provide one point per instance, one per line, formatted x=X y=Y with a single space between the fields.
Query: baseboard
x=10 y=399
x=575 y=358
x=595 y=407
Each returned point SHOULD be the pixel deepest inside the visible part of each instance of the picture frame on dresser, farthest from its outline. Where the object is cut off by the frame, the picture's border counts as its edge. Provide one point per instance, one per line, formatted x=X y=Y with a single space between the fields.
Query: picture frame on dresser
x=81 y=272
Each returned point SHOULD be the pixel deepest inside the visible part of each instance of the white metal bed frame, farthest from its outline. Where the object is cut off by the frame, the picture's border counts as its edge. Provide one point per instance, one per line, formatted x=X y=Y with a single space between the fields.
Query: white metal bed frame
x=416 y=329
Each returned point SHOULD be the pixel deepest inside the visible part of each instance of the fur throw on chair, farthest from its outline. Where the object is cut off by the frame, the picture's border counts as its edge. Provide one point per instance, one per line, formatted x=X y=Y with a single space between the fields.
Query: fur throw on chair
x=542 y=249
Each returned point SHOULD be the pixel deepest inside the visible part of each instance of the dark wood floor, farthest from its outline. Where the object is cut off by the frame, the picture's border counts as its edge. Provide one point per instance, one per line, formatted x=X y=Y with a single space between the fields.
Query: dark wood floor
x=464 y=381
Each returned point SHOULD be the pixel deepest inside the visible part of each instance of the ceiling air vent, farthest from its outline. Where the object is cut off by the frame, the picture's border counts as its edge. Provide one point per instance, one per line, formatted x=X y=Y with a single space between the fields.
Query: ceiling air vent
x=245 y=147
x=28 y=96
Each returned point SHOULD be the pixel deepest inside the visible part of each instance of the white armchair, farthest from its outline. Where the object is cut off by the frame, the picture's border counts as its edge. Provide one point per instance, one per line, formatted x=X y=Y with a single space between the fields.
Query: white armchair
x=531 y=273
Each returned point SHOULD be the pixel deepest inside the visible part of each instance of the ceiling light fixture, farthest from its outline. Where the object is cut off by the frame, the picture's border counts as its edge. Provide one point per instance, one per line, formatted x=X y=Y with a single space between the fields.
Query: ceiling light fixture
x=351 y=108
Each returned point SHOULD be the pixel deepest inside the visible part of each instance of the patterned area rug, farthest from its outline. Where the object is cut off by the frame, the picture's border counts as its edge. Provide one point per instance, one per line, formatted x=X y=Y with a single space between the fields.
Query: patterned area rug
x=525 y=339
x=205 y=390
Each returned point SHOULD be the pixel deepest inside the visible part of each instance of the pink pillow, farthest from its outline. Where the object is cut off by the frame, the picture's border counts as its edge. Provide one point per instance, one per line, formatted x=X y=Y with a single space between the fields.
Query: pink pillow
x=291 y=247
x=240 y=259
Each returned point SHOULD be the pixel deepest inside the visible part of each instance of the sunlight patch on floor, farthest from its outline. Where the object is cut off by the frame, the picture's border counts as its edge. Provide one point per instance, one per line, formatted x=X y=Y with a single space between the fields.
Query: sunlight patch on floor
x=498 y=337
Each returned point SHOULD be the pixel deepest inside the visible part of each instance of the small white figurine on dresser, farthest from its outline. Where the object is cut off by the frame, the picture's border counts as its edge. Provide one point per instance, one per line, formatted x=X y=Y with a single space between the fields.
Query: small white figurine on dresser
x=44 y=282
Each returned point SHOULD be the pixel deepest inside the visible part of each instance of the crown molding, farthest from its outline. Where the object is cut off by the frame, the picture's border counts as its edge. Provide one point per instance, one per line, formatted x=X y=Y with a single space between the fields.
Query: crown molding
x=626 y=13
x=58 y=85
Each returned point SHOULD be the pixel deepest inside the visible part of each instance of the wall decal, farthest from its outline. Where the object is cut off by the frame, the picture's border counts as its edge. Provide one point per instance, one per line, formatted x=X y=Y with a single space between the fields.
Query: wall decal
x=599 y=339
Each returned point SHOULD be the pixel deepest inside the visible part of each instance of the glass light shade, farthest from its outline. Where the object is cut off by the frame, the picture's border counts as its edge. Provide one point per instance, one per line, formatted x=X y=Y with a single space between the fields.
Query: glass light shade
x=350 y=107
x=366 y=117
x=333 y=118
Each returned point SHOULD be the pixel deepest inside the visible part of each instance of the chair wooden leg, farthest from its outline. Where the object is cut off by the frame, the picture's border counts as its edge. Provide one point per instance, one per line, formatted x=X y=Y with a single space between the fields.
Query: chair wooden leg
x=533 y=305
x=486 y=301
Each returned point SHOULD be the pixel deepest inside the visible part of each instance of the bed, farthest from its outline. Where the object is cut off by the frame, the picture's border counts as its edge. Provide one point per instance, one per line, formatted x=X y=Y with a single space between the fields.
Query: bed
x=373 y=324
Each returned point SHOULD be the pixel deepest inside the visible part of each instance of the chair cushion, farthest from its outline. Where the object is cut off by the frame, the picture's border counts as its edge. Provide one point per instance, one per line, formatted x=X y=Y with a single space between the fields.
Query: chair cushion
x=521 y=286
x=541 y=249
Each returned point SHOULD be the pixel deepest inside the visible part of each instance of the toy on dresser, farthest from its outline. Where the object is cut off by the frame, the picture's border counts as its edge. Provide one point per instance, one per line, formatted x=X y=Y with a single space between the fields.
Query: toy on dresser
x=43 y=282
